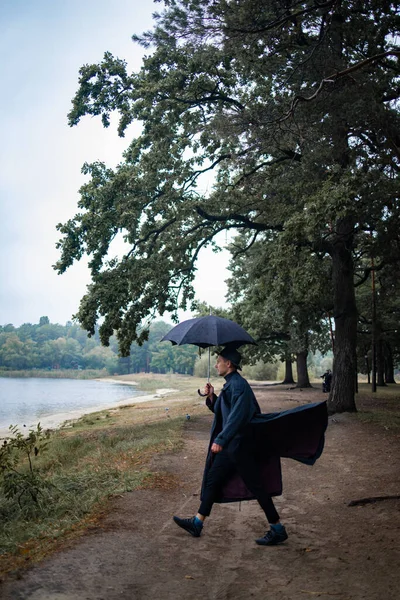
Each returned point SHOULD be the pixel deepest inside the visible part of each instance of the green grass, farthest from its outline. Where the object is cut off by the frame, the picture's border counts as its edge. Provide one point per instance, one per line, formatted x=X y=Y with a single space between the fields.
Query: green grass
x=380 y=408
x=82 y=470
x=57 y=373
x=92 y=459
x=381 y=418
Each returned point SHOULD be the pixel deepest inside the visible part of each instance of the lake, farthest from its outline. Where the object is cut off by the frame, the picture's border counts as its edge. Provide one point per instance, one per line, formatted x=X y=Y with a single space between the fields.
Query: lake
x=26 y=401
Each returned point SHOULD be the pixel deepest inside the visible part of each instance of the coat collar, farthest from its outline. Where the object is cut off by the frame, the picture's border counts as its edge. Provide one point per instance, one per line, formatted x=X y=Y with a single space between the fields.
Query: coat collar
x=228 y=379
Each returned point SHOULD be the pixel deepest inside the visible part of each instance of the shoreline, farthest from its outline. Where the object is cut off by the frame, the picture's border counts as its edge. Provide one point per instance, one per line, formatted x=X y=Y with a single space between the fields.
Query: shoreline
x=119 y=381
x=59 y=420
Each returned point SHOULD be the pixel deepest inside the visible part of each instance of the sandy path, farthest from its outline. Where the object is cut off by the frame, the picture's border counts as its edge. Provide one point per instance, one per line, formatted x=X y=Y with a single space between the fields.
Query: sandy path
x=334 y=551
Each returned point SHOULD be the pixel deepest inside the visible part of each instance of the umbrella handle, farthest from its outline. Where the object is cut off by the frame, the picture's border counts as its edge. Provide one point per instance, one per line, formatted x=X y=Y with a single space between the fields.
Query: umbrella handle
x=201 y=394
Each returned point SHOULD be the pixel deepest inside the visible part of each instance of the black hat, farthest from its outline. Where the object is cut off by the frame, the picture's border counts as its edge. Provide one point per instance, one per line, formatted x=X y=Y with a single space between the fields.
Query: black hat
x=233 y=355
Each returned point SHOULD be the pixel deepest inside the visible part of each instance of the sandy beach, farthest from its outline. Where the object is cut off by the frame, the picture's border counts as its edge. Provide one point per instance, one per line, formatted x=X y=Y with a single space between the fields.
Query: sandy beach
x=58 y=419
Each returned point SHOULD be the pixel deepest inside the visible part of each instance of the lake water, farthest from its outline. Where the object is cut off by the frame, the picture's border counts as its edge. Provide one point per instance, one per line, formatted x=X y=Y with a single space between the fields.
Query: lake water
x=26 y=401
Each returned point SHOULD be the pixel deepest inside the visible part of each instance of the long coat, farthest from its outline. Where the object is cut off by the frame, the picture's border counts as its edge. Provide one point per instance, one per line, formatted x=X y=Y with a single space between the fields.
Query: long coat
x=239 y=426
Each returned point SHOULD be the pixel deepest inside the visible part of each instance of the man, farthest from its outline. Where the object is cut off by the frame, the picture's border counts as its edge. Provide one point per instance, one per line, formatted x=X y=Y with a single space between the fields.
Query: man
x=245 y=448
x=327 y=377
x=236 y=406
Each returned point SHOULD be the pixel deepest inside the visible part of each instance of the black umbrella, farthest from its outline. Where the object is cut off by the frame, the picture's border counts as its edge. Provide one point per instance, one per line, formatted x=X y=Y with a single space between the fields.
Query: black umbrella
x=208 y=331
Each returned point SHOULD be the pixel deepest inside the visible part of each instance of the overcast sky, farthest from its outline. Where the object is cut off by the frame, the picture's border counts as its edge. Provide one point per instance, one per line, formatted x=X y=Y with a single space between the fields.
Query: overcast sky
x=43 y=44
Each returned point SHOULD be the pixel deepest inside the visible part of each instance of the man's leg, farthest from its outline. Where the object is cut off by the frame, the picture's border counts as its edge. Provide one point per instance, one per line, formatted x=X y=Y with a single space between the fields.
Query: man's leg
x=249 y=471
x=221 y=469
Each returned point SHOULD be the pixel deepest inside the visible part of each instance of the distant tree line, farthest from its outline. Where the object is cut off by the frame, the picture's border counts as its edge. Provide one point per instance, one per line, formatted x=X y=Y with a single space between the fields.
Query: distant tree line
x=53 y=346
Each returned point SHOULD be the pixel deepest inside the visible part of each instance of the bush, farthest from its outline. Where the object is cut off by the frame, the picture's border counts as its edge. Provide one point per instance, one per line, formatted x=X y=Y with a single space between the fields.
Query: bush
x=261 y=371
x=19 y=479
x=201 y=366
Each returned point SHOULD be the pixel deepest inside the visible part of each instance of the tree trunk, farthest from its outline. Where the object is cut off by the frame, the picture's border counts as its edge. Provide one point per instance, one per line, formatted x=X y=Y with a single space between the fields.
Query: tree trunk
x=380 y=363
x=356 y=377
x=288 y=371
x=341 y=398
x=367 y=367
x=389 y=366
x=302 y=371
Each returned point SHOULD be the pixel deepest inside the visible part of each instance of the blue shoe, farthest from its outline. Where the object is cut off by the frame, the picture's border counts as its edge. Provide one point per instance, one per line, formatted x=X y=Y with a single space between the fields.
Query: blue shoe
x=189 y=525
x=272 y=537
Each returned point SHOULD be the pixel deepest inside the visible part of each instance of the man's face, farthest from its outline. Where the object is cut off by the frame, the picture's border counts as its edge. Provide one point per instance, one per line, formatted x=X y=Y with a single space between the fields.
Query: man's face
x=223 y=366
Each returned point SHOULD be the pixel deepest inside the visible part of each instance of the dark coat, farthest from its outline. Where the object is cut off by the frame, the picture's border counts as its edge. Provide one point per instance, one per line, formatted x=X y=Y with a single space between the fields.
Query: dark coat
x=297 y=433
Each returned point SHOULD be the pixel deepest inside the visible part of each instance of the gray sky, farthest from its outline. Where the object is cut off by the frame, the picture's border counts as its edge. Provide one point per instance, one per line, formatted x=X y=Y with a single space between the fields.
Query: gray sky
x=43 y=44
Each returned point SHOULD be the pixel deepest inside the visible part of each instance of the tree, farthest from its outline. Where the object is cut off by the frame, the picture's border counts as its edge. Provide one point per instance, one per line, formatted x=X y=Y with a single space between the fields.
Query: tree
x=68 y=347
x=378 y=329
x=99 y=357
x=14 y=354
x=291 y=105
x=282 y=296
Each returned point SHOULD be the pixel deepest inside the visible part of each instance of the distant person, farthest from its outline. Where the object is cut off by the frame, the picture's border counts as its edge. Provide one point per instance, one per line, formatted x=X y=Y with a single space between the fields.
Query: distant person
x=243 y=461
x=327 y=381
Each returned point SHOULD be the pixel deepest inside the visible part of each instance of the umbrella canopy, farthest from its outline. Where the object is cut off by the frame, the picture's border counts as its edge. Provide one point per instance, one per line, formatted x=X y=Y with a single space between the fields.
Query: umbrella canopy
x=208 y=331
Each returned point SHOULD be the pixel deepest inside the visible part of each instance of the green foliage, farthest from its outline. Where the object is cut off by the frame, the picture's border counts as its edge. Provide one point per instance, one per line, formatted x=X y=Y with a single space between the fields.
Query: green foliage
x=291 y=109
x=384 y=319
x=261 y=371
x=281 y=295
x=19 y=479
x=68 y=348
x=56 y=374
x=77 y=473
x=319 y=363
x=201 y=365
x=257 y=93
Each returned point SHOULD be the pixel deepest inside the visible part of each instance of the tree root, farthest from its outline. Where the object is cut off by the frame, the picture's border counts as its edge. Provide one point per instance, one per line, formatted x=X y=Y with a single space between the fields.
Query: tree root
x=371 y=500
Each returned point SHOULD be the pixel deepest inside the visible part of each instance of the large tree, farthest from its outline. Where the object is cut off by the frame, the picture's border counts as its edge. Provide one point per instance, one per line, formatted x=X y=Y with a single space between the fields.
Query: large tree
x=290 y=105
x=282 y=294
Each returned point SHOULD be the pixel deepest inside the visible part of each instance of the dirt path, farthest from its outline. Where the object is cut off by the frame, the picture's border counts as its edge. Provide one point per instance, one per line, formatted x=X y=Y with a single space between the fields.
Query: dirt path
x=334 y=551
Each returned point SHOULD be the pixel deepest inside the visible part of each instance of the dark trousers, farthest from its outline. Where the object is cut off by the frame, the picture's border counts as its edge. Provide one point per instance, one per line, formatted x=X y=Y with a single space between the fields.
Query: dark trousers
x=221 y=469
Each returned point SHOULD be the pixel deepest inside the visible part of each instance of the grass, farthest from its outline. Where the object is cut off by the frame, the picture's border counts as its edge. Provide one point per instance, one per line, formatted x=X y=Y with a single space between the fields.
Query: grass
x=381 y=418
x=151 y=382
x=56 y=373
x=82 y=470
x=380 y=408
x=89 y=461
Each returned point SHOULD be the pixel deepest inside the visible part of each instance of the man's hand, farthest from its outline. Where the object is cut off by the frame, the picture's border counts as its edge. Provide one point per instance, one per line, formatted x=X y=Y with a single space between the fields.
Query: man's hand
x=215 y=448
x=209 y=390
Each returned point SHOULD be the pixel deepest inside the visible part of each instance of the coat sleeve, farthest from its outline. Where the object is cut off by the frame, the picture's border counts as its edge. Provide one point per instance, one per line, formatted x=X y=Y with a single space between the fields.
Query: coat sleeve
x=242 y=411
x=210 y=403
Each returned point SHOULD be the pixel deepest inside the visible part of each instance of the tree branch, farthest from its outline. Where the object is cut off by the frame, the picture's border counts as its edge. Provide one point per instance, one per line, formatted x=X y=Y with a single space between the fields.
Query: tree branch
x=245 y=221
x=368 y=271
x=155 y=232
x=333 y=78
x=244 y=250
x=289 y=156
x=282 y=20
x=205 y=100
